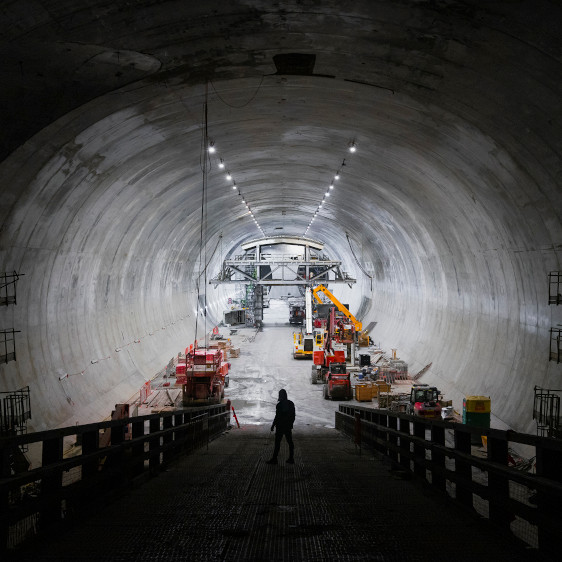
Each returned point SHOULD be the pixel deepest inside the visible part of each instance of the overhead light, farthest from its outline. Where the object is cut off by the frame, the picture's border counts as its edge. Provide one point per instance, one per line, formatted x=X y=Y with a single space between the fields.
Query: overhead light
x=331 y=186
x=228 y=176
x=221 y=164
x=212 y=149
x=337 y=177
x=327 y=194
x=352 y=147
x=234 y=185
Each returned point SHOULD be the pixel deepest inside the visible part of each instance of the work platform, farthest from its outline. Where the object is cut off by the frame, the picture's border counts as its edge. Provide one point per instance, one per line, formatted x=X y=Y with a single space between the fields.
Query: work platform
x=336 y=502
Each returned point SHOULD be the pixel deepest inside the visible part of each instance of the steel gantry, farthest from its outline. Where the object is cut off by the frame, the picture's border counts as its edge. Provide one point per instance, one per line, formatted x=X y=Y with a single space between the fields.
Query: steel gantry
x=260 y=265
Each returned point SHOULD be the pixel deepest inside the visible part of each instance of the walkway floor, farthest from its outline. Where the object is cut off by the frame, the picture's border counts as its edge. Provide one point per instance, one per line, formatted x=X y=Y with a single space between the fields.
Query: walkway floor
x=225 y=503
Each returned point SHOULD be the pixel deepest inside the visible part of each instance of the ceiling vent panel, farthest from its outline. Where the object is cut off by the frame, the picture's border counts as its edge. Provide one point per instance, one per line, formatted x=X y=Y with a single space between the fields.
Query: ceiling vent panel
x=295 y=63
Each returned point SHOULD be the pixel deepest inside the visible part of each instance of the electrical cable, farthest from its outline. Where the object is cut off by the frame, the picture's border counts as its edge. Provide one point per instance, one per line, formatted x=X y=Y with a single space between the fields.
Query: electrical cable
x=244 y=104
x=357 y=261
x=204 y=161
x=209 y=261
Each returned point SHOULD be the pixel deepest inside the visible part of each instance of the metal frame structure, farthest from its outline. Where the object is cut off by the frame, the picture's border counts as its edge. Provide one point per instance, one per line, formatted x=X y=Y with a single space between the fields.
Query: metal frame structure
x=555 y=287
x=546 y=412
x=555 y=345
x=9 y=351
x=305 y=268
x=9 y=281
x=15 y=410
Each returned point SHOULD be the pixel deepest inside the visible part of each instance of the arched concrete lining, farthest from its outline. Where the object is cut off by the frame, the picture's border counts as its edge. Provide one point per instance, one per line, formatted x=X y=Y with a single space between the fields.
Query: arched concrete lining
x=452 y=203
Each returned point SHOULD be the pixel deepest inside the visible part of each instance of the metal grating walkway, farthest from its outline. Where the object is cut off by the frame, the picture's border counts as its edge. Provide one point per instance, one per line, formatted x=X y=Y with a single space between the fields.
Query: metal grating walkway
x=224 y=503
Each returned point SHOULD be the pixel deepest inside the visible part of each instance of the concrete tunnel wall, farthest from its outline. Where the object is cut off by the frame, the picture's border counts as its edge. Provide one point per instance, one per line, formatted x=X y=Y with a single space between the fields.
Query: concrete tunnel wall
x=452 y=204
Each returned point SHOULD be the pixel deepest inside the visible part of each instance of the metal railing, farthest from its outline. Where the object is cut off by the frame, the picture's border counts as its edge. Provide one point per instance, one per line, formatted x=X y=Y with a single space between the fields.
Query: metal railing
x=139 y=447
x=486 y=480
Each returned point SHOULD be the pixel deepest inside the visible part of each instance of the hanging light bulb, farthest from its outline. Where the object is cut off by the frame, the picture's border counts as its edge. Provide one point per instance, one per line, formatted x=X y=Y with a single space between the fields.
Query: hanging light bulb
x=233 y=185
x=327 y=194
x=337 y=176
x=221 y=164
x=352 y=147
x=228 y=176
x=212 y=149
x=331 y=186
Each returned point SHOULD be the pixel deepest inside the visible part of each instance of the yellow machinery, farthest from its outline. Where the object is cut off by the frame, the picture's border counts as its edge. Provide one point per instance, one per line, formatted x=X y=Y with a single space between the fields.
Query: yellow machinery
x=303 y=345
x=358 y=326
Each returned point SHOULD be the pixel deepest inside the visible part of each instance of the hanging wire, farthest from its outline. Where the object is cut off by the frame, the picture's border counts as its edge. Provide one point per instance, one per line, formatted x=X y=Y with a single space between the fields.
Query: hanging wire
x=205 y=164
x=357 y=261
x=211 y=256
x=245 y=103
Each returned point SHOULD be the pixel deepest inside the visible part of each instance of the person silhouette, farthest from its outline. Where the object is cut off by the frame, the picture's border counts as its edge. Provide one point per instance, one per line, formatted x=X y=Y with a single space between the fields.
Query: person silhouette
x=283 y=423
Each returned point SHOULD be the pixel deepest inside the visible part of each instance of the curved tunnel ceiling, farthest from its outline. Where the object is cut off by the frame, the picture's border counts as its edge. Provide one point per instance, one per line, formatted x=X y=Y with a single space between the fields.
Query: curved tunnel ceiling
x=451 y=202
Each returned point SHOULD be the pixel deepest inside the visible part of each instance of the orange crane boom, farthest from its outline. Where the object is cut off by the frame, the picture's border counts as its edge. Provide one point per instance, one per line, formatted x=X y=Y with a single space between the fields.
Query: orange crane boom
x=339 y=305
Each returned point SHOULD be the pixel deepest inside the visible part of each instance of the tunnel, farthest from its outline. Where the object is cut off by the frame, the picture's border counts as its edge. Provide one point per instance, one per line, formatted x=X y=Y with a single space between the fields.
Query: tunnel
x=143 y=143
x=116 y=215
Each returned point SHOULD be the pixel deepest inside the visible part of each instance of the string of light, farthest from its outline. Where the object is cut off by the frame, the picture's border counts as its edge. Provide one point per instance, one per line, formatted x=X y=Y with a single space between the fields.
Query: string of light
x=352 y=149
x=228 y=175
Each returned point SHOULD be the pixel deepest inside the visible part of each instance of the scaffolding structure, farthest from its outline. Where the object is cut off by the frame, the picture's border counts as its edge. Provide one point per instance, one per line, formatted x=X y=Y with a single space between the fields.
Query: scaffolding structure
x=555 y=287
x=546 y=412
x=555 y=345
x=8 y=286
x=8 y=345
x=15 y=410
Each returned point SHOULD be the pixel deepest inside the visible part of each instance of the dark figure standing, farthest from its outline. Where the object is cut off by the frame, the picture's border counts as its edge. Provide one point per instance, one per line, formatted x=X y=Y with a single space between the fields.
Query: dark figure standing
x=284 y=419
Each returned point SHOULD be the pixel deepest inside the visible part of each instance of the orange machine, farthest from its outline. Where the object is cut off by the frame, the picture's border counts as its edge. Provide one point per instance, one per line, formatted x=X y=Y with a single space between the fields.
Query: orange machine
x=204 y=377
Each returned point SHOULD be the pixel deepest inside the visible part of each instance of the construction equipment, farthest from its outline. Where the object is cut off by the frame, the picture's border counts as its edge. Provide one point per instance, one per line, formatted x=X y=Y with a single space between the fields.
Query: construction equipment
x=328 y=350
x=344 y=328
x=296 y=314
x=303 y=343
x=338 y=383
x=424 y=401
x=321 y=288
x=203 y=379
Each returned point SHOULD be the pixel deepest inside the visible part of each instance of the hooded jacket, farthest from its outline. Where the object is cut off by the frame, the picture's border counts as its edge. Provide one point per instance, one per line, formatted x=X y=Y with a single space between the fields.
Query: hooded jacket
x=284 y=413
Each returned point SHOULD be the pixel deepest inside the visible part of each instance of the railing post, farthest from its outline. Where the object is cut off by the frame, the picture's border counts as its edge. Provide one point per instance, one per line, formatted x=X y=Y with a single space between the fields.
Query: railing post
x=419 y=450
x=5 y=472
x=498 y=485
x=549 y=461
x=392 y=422
x=137 y=451
x=116 y=458
x=51 y=484
x=357 y=430
x=404 y=425
x=179 y=433
x=90 y=444
x=463 y=469
x=154 y=445
x=379 y=419
x=168 y=454
x=438 y=478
